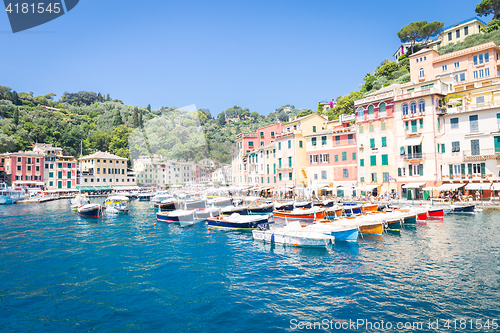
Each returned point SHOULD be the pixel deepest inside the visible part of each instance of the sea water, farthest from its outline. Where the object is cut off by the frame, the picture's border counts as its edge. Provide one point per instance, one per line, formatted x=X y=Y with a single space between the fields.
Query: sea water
x=63 y=273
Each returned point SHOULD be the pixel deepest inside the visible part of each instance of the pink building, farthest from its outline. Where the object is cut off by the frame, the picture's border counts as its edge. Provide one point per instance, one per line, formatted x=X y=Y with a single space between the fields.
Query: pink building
x=469 y=65
x=24 y=168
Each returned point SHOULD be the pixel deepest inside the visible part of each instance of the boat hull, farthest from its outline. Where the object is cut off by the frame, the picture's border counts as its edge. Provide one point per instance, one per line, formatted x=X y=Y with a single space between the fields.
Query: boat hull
x=283 y=215
x=412 y=219
x=167 y=217
x=376 y=229
x=436 y=213
x=222 y=223
x=303 y=205
x=260 y=210
x=464 y=209
x=422 y=217
x=195 y=205
x=369 y=208
x=202 y=215
x=93 y=212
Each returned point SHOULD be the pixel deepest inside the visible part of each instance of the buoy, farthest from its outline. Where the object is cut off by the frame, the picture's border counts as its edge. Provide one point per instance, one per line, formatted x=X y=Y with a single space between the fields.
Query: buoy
x=295 y=244
x=155 y=224
x=208 y=228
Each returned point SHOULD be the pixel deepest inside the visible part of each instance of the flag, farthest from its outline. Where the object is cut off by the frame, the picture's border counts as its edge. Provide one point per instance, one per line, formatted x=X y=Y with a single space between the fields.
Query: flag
x=389 y=178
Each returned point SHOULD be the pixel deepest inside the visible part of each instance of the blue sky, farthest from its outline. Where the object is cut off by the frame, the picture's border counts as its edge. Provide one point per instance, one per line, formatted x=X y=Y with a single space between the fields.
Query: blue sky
x=215 y=54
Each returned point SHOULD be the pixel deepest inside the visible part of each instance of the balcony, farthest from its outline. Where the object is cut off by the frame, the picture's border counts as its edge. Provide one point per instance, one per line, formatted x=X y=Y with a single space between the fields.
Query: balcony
x=373 y=98
x=414 y=115
x=414 y=156
x=481 y=154
x=346 y=118
x=418 y=93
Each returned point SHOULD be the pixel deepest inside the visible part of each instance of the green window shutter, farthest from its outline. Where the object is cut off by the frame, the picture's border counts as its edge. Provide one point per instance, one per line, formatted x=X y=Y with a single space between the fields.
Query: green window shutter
x=373 y=160
x=402 y=151
x=354 y=156
x=279 y=145
x=300 y=144
x=382 y=126
x=438 y=148
x=362 y=162
x=451 y=169
x=360 y=129
x=372 y=143
x=289 y=162
x=68 y=174
x=442 y=148
x=279 y=163
x=414 y=126
x=268 y=169
x=51 y=174
x=462 y=168
x=51 y=183
x=344 y=156
x=59 y=184
x=59 y=174
x=385 y=160
x=314 y=128
x=410 y=170
x=384 y=141
x=406 y=125
x=483 y=169
x=362 y=179
x=421 y=169
x=68 y=184
x=336 y=158
x=469 y=168
x=399 y=172
x=274 y=168
x=262 y=179
x=421 y=123
x=371 y=127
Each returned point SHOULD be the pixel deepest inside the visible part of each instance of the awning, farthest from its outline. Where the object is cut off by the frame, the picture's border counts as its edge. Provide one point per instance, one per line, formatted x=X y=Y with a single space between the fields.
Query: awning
x=450 y=187
x=496 y=187
x=88 y=188
x=478 y=186
x=370 y=188
x=413 y=185
x=413 y=141
x=429 y=188
x=103 y=188
x=27 y=182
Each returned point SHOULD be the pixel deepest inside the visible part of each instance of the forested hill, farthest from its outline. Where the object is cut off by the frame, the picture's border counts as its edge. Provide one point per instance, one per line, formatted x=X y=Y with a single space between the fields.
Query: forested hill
x=104 y=123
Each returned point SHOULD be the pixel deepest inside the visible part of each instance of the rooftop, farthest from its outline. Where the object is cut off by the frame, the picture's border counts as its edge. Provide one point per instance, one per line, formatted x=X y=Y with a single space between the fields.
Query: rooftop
x=103 y=155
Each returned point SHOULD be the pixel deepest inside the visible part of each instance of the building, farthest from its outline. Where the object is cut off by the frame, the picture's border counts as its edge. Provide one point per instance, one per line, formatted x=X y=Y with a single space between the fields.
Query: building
x=60 y=171
x=326 y=105
x=403 y=49
x=222 y=175
x=291 y=151
x=104 y=171
x=416 y=122
x=377 y=170
x=24 y=168
x=469 y=137
x=468 y=65
x=458 y=32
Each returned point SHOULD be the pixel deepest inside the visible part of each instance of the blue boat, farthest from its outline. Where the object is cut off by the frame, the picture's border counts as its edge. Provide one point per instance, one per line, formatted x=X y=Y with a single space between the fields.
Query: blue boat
x=90 y=210
x=176 y=216
x=340 y=232
x=237 y=221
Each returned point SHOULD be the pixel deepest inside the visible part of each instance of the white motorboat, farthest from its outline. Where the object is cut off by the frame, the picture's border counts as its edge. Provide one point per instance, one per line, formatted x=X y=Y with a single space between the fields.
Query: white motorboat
x=116 y=204
x=78 y=201
x=293 y=234
x=9 y=195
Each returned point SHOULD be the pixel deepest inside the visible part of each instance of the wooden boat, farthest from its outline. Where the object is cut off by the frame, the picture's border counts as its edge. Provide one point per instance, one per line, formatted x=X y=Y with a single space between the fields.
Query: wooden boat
x=242 y=210
x=283 y=205
x=301 y=214
x=333 y=212
x=237 y=221
x=294 y=234
x=302 y=204
x=144 y=196
x=180 y=215
x=340 y=232
x=367 y=224
x=369 y=207
x=436 y=212
x=220 y=202
x=348 y=210
x=463 y=209
x=193 y=204
x=324 y=203
x=261 y=209
x=90 y=210
x=203 y=215
x=167 y=204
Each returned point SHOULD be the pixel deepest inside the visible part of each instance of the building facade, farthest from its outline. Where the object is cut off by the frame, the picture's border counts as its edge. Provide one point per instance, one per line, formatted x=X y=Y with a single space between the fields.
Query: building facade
x=24 y=168
x=456 y=33
x=60 y=171
x=104 y=171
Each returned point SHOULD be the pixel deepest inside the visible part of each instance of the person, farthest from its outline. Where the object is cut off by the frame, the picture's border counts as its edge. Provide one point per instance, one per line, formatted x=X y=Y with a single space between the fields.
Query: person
x=477 y=195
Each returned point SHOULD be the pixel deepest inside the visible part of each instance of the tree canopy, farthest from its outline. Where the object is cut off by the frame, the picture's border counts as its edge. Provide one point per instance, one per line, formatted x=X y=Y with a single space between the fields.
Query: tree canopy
x=487 y=7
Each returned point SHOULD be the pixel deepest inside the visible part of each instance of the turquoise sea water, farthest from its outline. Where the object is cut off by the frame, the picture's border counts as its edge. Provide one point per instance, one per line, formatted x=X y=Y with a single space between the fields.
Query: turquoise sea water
x=63 y=273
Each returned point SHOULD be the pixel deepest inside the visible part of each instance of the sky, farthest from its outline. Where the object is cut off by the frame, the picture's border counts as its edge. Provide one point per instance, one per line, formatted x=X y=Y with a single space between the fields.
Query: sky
x=215 y=54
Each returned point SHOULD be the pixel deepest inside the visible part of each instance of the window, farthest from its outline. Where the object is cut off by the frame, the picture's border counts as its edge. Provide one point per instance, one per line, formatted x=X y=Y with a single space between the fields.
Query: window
x=337 y=140
x=323 y=140
x=454 y=122
x=354 y=156
x=421 y=106
x=374 y=177
x=372 y=143
x=279 y=145
x=444 y=68
x=449 y=36
x=336 y=158
x=290 y=176
x=456 y=64
x=462 y=76
x=475 y=74
x=486 y=72
x=474 y=168
x=406 y=125
x=323 y=174
x=480 y=100
x=422 y=74
x=345 y=173
x=325 y=158
x=421 y=122
x=360 y=114
x=362 y=162
x=279 y=163
x=486 y=57
x=474 y=147
x=466 y=31
x=455 y=146
x=373 y=160
x=350 y=138
x=473 y=123
x=457 y=33
x=498 y=117
x=314 y=128
x=399 y=172
x=250 y=143
x=289 y=162
x=414 y=126
x=413 y=107
x=68 y=174
x=360 y=129
x=384 y=141
x=261 y=143
x=300 y=146
x=344 y=156
x=404 y=109
x=272 y=134
x=279 y=176
x=443 y=148
x=261 y=133
x=385 y=177
x=313 y=158
x=385 y=160
x=382 y=109
x=362 y=179
x=313 y=141
x=371 y=127
x=382 y=126
x=315 y=176
x=371 y=112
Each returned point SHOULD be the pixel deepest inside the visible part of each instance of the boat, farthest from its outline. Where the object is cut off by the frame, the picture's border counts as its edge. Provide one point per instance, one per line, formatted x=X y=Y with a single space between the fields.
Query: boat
x=435 y=212
x=302 y=204
x=161 y=196
x=367 y=224
x=261 y=209
x=324 y=203
x=242 y=210
x=179 y=215
x=369 y=207
x=78 y=201
x=348 y=210
x=237 y=221
x=167 y=204
x=463 y=209
x=116 y=204
x=144 y=196
x=340 y=232
x=333 y=212
x=293 y=234
x=90 y=210
x=220 y=202
x=203 y=215
x=9 y=195
x=302 y=214
x=193 y=204
x=283 y=205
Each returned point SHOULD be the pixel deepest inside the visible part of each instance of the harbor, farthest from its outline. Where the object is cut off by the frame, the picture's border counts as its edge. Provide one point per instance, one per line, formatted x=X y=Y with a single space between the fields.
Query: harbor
x=129 y=273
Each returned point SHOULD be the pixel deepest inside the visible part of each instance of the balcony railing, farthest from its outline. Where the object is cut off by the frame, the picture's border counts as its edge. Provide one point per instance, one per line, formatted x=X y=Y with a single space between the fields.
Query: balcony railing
x=413 y=156
x=374 y=98
x=418 y=93
x=417 y=114
x=482 y=152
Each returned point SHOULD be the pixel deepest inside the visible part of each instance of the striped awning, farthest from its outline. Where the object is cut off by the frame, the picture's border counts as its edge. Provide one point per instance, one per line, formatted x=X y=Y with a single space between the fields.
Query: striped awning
x=450 y=187
x=478 y=186
x=413 y=185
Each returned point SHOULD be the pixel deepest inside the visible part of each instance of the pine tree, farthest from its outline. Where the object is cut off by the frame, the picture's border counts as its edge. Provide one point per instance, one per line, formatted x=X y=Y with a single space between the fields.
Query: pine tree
x=135 y=117
x=149 y=107
x=16 y=116
x=140 y=119
x=117 y=120
x=108 y=98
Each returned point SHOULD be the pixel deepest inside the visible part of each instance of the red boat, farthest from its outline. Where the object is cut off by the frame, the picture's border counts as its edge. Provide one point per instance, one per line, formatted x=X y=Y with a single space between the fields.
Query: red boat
x=436 y=212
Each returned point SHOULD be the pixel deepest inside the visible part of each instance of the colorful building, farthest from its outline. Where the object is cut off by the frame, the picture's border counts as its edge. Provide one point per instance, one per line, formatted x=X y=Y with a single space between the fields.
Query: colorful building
x=24 y=168
x=104 y=171
x=377 y=172
x=457 y=32
x=60 y=171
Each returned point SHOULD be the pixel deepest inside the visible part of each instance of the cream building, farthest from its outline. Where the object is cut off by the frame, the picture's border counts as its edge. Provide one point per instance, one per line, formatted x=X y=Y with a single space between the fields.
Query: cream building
x=105 y=171
x=458 y=32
